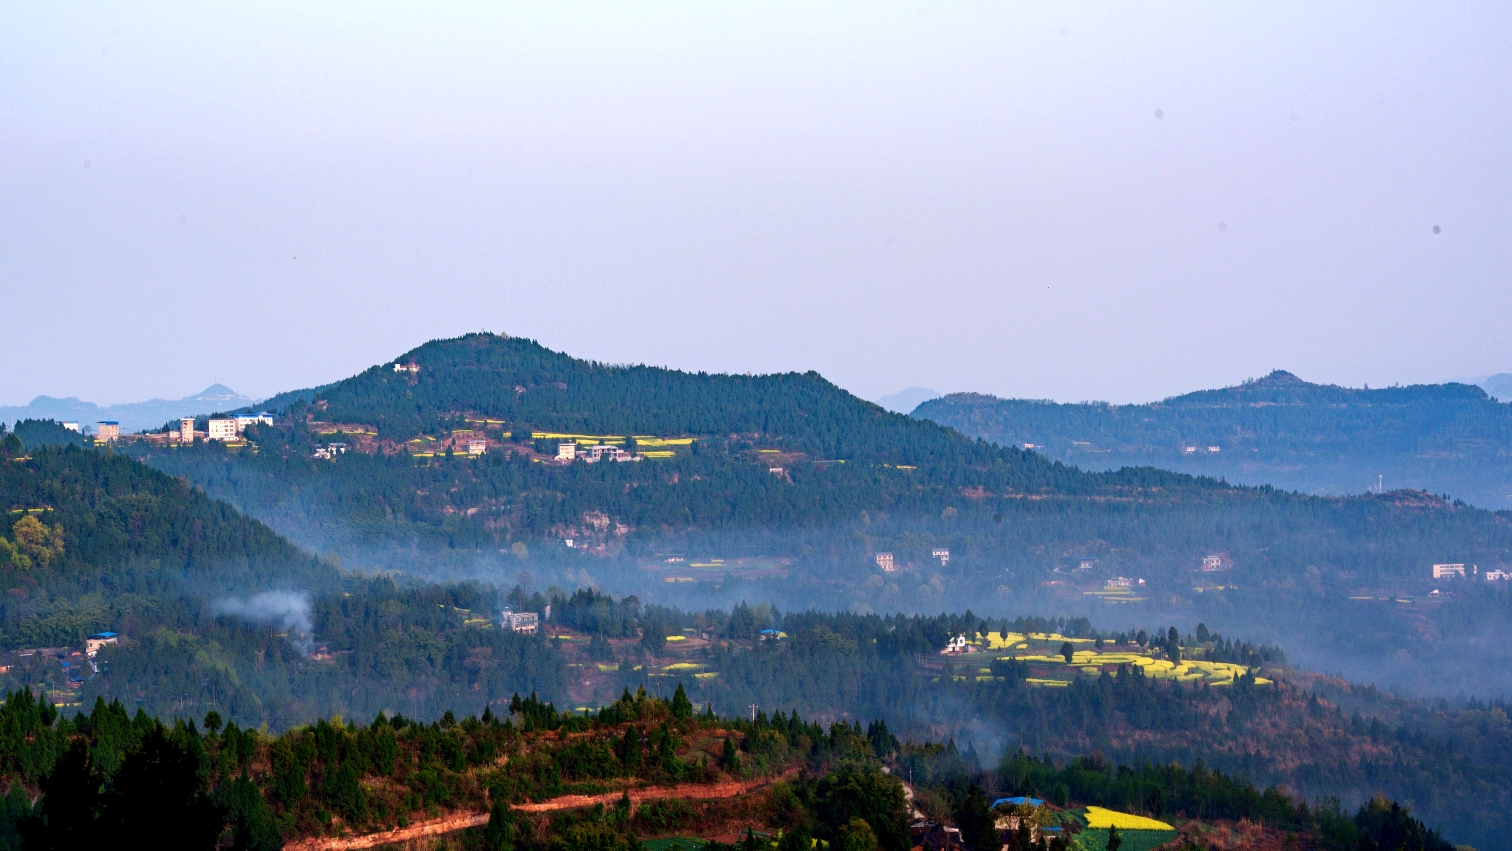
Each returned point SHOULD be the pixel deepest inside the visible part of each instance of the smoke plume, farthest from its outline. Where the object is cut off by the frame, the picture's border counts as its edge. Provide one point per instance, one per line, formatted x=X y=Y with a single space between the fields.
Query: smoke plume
x=287 y=609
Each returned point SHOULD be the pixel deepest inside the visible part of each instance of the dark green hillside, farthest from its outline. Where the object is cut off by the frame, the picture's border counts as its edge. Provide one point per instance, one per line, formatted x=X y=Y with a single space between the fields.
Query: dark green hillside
x=35 y=434
x=528 y=385
x=1452 y=765
x=116 y=523
x=91 y=540
x=89 y=535
x=1279 y=430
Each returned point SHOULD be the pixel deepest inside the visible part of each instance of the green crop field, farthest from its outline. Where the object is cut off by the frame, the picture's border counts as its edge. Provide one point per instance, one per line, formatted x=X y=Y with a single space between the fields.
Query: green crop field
x=674 y=843
x=1138 y=832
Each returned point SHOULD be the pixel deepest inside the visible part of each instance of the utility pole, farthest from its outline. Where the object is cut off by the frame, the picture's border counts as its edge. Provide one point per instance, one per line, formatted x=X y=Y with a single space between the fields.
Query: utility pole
x=754 y=707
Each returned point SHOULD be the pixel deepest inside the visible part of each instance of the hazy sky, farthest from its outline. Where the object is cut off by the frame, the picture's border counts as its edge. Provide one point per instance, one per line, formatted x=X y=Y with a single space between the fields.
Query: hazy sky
x=1113 y=201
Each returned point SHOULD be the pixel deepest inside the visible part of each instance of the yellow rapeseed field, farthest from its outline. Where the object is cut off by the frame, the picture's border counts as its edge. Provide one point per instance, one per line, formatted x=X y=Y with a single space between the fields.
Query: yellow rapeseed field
x=1099 y=817
x=1090 y=662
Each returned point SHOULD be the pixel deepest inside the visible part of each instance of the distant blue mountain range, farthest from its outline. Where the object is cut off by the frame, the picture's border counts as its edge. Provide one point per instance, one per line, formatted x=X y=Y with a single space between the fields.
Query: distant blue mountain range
x=133 y=416
x=1278 y=430
x=1498 y=387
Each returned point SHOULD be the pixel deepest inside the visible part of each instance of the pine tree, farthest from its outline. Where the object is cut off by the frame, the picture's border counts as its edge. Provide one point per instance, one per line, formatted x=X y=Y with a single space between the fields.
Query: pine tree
x=499 y=835
x=682 y=708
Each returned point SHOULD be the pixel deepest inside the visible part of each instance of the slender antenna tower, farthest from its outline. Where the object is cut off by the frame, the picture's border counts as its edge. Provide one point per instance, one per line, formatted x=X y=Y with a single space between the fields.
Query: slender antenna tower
x=1380 y=484
x=754 y=707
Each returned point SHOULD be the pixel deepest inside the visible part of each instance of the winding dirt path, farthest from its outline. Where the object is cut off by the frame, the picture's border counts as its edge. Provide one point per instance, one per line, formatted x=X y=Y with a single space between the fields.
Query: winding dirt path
x=462 y=821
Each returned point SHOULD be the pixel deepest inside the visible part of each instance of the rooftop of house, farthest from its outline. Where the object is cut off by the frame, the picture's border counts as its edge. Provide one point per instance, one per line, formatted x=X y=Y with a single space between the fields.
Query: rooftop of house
x=1019 y=801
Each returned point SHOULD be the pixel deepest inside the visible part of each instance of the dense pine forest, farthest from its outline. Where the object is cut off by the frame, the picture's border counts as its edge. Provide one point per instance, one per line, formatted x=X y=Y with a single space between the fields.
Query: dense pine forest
x=1276 y=430
x=376 y=649
x=497 y=782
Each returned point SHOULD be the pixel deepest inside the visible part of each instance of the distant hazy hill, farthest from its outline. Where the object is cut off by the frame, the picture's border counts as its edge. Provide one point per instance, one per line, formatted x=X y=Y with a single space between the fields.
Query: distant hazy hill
x=1277 y=430
x=133 y=416
x=1499 y=386
x=905 y=401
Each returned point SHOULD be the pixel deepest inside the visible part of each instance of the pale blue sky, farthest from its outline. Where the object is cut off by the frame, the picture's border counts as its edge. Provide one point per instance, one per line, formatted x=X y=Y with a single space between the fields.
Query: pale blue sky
x=960 y=196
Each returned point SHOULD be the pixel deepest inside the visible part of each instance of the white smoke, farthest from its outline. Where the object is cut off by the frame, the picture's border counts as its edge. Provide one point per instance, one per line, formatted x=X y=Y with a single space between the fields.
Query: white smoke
x=287 y=609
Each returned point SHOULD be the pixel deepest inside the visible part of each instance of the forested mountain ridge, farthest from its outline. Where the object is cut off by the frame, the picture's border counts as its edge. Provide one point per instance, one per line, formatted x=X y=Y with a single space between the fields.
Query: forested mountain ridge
x=532 y=387
x=1279 y=430
x=758 y=476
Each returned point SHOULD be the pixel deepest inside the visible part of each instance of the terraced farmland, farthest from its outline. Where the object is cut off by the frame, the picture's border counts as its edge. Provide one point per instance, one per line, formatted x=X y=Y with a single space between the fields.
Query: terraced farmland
x=1049 y=667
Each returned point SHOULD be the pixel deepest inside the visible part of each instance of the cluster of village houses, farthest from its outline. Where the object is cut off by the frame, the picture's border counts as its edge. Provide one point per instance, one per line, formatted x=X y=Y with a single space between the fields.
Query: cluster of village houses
x=78 y=665
x=569 y=452
x=1457 y=571
x=218 y=428
x=885 y=560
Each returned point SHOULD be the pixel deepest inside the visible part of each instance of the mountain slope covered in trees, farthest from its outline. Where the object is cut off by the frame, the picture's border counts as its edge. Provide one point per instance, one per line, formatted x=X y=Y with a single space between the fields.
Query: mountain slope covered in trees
x=1277 y=430
x=87 y=535
x=794 y=473
x=532 y=387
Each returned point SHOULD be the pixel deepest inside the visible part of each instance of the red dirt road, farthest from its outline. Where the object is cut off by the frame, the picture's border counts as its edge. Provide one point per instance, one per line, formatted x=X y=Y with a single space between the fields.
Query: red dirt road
x=462 y=821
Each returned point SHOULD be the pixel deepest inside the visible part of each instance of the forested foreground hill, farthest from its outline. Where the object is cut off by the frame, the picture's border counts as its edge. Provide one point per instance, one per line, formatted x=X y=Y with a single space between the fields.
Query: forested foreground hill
x=424 y=651
x=640 y=769
x=88 y=536
x=790 y=472
x=1277 y=430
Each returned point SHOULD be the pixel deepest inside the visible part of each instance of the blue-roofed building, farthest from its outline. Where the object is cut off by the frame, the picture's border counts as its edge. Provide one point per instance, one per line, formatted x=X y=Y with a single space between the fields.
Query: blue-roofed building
x=93 y=643
x=1008 y=821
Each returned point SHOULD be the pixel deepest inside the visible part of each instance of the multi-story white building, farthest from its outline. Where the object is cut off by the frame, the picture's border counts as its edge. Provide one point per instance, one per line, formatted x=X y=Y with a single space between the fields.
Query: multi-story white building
x=885 y=561
x=477 y=447
x=107 y=430
x=524 y=622
x=1212 y=563
x=1446 y=571
x=956 y=646
x=943 y=556
x=612 y=453
x=186 y=430
x=71 y=426
x=566 y=451
x=221 y=429
x=244 y=420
